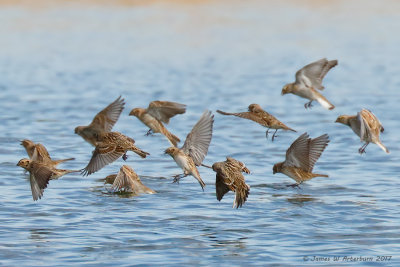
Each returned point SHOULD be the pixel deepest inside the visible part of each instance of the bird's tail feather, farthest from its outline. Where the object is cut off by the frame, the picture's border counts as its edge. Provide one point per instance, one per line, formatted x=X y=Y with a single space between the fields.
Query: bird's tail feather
x=140 y=152
x=70 y=171
x=62 y=160
x=324 y=102
x=320 y=175
x=206 y=166
x=223 y=112
x=173 y=139
x=383 y=147
x=63 y=172
x=241 y=196
x=290 y=129
x=202 y=184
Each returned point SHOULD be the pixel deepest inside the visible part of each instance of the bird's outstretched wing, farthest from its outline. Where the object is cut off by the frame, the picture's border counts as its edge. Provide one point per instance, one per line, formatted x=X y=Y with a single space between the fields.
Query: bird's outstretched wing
x=125 y=180
x=39 y=178
x=261 y=118
x=221 y=180
x=312 y=74
x=304 y=151
x=105 y=119
x=103 y=155
x=199 y=139
x=369 y=124
x=40 y=153
x=164 y=110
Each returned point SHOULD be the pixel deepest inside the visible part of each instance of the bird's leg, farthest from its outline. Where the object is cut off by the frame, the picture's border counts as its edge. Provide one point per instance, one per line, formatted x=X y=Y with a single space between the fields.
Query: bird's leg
x=362 y=149
x=274 y=135
x=266 y=134
x=178 y=177
x=124 y=157
x=294 y=185
x=149 y=132
x=308 y=104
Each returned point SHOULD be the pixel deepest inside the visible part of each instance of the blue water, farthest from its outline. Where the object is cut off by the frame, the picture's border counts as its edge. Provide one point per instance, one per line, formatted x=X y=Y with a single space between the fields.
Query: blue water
x=61 y=63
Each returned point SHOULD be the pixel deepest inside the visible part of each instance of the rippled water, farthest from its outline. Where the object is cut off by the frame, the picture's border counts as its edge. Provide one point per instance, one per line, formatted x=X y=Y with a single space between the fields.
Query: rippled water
x=62 y=63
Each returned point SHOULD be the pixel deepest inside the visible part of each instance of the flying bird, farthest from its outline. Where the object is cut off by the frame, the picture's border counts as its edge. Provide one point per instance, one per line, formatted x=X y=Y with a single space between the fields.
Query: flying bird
x=40 y=174
x=40 y=153
x=157 y=113
x=111 y=146
x=301 y=157
x=127 y=181
x=229 y=177
x=257 y=114
x=367 y=126
x=102 y=122
x=308 y=79
x=195 y=148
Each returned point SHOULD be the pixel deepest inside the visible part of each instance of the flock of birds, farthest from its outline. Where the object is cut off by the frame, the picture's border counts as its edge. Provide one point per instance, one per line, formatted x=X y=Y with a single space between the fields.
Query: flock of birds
x=300 y=159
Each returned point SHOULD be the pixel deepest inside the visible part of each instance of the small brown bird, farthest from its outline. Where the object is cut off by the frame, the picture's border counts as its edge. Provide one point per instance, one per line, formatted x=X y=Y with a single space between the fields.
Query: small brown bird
x=195 y=148
x=301 y=157
x=102 y=122
x=367 y=126
x=110 y=146
x=308 y=79
x=38 y=152
x=229 y=177
x=257 y=114
x=40 y=174
x=156 y=113
x=128 y=181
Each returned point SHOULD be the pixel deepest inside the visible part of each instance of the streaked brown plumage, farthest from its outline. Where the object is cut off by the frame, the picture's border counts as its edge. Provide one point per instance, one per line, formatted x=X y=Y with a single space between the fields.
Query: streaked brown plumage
x=128 y=181
x=38 y=152
x=367 y=126
x=109 y=147
x=195 y=148
x=229 y=177
x=301 y=157
x=102 y=122
x=308 y=79
x=158 y=112
x=257 y=114
x=40 y=174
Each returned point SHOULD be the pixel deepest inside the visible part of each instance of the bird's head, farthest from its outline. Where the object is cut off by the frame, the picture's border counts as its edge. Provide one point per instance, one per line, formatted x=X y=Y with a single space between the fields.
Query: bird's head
x=277 y=168
x=171 y=151
x=26 y=143
x=344 y=119
x=216 y=166
x=287 y=89
x=110 y=179
x=254 y=107
x=136 y=112
x=79 y=129
x=23 y=163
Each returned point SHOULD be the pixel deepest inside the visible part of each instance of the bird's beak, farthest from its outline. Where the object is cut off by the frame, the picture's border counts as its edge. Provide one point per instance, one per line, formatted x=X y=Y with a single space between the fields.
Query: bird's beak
x=337 y=120
x=131 y=113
